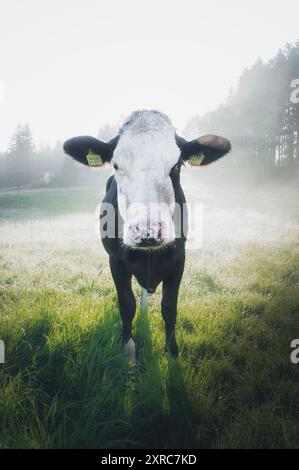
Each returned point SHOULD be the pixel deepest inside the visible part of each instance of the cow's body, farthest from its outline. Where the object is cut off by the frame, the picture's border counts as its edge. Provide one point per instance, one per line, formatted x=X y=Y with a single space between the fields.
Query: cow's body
x=147 y=156
x=150 y=267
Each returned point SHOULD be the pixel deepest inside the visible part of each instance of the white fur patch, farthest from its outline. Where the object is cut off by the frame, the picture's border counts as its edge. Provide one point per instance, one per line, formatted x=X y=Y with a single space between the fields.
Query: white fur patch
x=143 y=300
x=145 y=154
x=130 y=351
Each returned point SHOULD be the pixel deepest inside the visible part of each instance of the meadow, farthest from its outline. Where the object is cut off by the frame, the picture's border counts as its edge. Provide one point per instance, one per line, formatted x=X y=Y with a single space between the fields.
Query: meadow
x=65 y=382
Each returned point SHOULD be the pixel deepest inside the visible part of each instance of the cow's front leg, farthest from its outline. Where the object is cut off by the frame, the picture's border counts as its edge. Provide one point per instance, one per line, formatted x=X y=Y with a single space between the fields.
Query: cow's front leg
x=170 y=292
x=127 y=304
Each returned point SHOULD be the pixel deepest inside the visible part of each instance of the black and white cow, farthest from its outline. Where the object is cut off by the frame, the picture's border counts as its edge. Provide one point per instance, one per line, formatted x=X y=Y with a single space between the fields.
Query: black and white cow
x=147 y=156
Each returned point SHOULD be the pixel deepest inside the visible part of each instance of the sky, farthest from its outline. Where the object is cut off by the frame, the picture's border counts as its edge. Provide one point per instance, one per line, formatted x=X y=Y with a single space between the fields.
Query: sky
x=68 y=67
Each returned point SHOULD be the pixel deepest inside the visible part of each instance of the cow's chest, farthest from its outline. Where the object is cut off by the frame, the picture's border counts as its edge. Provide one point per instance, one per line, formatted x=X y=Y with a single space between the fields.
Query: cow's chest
x=150 y=267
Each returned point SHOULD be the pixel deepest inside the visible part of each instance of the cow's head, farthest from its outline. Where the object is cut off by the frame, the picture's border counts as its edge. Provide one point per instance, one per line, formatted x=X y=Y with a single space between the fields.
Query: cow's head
x=147 y=156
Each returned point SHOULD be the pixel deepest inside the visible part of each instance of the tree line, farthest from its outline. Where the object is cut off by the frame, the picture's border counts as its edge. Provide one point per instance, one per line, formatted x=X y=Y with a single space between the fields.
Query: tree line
x=261 y=118
x=23 y=165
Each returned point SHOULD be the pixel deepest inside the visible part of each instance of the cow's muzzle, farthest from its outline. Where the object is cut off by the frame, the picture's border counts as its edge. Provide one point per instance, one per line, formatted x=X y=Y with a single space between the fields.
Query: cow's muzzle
x=143 y=235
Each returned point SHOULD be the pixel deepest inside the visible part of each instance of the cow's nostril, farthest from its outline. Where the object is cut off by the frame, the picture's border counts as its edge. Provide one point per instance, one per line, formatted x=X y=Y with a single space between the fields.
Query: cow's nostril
x=145 y=235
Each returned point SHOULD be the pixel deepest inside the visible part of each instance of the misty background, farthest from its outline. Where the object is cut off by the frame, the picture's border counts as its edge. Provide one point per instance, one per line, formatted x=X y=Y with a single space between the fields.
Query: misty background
x=81 y=68
x=260 y=116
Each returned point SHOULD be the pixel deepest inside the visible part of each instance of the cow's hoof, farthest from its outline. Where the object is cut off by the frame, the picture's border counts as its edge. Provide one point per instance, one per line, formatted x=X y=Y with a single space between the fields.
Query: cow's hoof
x=130 y=352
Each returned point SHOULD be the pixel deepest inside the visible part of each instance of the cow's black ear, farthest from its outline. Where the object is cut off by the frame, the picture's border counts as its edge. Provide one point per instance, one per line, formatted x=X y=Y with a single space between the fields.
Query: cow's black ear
x=89 y=150
x=204 y=150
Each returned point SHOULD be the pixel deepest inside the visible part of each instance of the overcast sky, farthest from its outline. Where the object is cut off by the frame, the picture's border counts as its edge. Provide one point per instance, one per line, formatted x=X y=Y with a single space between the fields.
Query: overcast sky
x=69 y=66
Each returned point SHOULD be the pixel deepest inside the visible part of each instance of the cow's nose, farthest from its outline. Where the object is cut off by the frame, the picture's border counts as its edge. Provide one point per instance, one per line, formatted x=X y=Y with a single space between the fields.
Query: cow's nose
x=145 y=235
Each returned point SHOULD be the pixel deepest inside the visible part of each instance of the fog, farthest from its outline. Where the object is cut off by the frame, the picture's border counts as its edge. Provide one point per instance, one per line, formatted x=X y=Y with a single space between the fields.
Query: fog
x=250 y=195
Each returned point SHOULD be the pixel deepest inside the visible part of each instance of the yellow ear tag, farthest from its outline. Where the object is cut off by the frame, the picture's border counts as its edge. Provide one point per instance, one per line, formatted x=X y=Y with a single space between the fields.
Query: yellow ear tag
x=94 y=159
x=196 y=160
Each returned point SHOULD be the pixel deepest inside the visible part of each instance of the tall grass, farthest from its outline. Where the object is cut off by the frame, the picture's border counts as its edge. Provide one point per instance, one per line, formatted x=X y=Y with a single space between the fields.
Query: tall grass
x=66 y=384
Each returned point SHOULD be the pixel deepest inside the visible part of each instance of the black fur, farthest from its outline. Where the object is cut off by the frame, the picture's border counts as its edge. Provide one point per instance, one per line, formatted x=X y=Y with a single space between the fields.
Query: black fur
x=78 y=148
x=210 y=146
x=165 y=265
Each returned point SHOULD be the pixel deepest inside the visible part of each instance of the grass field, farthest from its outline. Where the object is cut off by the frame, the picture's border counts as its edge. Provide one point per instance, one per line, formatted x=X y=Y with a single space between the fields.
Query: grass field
x=65 y=382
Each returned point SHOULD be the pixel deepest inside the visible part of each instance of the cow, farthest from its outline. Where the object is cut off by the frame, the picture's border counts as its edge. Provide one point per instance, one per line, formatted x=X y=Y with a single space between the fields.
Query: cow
x=147 y=156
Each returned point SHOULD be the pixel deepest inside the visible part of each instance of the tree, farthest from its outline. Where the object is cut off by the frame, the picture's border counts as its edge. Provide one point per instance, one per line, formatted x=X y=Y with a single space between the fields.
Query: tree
x=259 y=117
x=20 y=158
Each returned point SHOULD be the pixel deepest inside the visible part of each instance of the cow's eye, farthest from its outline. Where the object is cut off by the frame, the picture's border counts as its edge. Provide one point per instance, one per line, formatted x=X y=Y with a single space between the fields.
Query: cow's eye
x=115 y=166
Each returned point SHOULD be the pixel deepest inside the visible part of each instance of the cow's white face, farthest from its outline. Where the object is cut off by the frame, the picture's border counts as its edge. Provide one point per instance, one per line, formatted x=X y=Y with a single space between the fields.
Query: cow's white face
x=145 y=154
